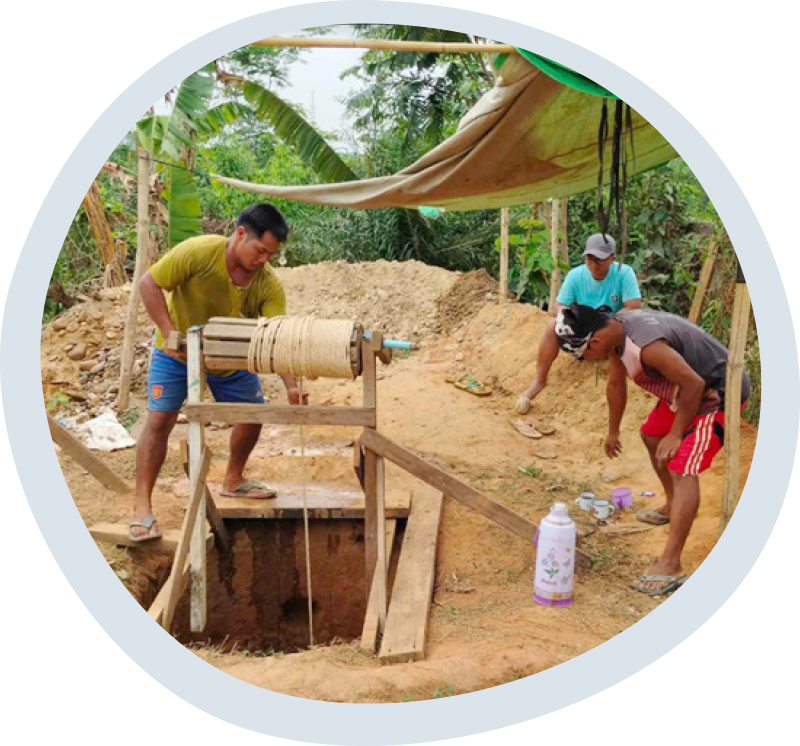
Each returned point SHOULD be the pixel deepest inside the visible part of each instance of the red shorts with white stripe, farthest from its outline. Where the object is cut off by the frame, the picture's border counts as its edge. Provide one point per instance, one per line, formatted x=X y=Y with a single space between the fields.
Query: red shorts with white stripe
x=701 y=442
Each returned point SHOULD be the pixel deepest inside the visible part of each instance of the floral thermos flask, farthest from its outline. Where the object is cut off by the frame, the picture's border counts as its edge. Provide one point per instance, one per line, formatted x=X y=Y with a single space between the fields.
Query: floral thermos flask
x=555 y=558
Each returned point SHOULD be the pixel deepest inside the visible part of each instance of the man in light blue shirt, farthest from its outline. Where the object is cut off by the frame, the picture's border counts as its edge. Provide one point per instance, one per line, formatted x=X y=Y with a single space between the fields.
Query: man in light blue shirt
x=598 y=282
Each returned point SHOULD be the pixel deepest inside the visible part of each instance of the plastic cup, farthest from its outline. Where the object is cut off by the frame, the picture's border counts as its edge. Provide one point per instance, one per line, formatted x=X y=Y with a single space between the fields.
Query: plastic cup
x=622 y=497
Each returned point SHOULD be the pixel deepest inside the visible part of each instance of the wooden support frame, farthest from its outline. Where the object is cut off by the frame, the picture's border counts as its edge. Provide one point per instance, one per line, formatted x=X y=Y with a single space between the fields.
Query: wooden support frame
x=280 y=414
x=80 y=453
x=373 y=624
x=196 y=374
x=182 y=553
x=455 y=488
x=221 y=537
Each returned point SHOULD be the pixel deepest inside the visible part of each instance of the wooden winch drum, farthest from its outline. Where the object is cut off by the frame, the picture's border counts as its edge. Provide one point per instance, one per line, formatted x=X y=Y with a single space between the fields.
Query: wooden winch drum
x=226 y=344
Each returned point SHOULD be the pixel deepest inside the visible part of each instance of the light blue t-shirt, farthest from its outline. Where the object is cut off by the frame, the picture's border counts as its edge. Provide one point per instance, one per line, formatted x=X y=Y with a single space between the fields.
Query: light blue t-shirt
x=619 y=286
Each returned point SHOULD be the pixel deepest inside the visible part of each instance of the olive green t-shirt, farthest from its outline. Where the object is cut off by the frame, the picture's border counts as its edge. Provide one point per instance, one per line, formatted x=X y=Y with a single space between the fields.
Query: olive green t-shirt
x=199 y=286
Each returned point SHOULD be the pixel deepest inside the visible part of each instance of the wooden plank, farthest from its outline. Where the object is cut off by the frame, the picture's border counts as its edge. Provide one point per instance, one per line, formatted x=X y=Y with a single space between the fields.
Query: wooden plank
x=281 y=414
x=232 y=321
x=142 y=253
x=156 y=609
x=323 y=504
x=372 y=624
x=213 y=347
x=197 y=487
x=370 y=518
x=80 y=453
x=412 y=593
x=230 y=332
x=740 y=323
x=221 y=536
x=196 y=375
x=117 y=533
x=455 y=488
x=226 y=363
x=502 y=295
x=381 y=568
x=702 y=285
x=369 y=376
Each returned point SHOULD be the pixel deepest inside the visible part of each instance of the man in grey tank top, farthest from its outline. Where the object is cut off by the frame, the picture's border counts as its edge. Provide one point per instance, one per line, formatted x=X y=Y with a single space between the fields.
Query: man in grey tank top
x=684 y=367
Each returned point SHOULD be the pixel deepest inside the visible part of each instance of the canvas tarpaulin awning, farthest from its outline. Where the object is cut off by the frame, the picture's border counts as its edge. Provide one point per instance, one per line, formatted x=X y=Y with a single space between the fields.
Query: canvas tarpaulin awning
x=531 y=137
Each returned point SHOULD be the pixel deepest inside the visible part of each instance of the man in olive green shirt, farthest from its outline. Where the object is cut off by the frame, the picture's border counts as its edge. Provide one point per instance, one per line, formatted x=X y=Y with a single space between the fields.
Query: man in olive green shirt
x=204 y=277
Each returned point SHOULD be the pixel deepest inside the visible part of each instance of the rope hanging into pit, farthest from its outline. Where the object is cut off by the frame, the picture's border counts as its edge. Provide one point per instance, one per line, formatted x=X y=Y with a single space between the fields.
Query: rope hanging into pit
x=302 y=346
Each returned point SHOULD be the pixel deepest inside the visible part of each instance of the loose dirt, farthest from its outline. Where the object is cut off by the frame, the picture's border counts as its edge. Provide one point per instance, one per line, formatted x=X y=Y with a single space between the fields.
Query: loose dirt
x=484 y=628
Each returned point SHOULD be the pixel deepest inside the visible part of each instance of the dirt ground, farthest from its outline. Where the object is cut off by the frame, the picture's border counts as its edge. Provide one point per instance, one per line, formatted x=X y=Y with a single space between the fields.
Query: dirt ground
x=485 y=629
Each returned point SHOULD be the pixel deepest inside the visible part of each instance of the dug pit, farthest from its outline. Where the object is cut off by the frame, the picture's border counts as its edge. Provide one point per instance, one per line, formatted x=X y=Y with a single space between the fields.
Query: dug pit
x=257 y=592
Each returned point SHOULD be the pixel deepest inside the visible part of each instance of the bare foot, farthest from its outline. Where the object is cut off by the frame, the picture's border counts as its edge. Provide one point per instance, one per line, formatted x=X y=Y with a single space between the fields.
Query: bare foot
x=662 y=567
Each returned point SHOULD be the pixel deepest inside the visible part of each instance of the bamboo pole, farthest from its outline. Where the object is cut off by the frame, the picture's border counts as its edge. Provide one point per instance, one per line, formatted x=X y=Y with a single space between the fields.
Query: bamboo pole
x=740 y=322
x=441 y=47
x=702 y=285
x=142 y=248
x=502 y=296
x=564 y=222
x=555 y=276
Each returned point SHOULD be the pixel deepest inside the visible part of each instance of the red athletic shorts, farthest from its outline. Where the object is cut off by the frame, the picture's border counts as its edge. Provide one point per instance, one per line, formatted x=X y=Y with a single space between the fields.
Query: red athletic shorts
x=701 y=441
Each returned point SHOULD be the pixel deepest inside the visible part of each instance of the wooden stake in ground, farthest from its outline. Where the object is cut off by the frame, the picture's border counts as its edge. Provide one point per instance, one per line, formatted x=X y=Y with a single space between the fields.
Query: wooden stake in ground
x=705 y=279
x=740 y=322
x=564 y=225
x=197 y=554
x=72 y=446
x=502 y=296
x=142 y=248
x=555 y=277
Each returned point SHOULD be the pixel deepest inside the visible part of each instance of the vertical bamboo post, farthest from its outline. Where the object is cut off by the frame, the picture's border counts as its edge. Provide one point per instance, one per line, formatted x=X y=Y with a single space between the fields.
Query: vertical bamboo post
x=740 y=321
x=702 y=285
x=196 y=372
x=555 y=277
x=142 y=244
x=564 y=225
x=502 y=296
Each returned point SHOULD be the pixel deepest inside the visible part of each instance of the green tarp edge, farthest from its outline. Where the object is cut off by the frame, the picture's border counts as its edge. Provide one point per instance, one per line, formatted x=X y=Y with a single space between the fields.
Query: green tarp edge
x=561 y=73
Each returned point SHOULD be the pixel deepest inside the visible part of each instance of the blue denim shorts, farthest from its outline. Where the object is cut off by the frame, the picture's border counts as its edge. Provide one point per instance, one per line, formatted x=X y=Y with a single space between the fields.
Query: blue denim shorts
x=167 y=385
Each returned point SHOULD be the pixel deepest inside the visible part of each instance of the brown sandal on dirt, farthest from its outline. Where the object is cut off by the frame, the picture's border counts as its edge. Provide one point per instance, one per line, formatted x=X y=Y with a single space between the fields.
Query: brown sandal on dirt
x=525 y=428
x=149 y=524
x=652 y=516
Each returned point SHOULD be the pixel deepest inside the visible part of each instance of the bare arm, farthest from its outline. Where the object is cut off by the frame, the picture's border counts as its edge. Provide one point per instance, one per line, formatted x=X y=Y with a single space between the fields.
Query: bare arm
x=155 y=304
x=662 y=358
x=617 y=397
x=636 y=303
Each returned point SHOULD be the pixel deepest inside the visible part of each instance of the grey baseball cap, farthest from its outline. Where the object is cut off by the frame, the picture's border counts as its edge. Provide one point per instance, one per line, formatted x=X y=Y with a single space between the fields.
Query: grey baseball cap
x=600 y=245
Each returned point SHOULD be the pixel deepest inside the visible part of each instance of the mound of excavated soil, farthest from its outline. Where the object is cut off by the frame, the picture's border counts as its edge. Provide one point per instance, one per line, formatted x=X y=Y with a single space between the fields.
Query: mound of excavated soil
x=464 y=299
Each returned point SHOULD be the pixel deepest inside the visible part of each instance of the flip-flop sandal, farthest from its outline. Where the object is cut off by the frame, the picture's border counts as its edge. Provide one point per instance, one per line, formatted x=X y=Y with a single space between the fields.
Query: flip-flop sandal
x=672 y=584
x=455 y=378
x=149 y=524
x=652 y=516
x=525 y=428
x=250 y=491
x=474 y=386
x=545 y=429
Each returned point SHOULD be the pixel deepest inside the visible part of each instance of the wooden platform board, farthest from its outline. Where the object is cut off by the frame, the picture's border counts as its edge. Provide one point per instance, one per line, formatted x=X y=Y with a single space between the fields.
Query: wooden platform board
x=117 y=533
x=323 y=502
x=407 y=622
